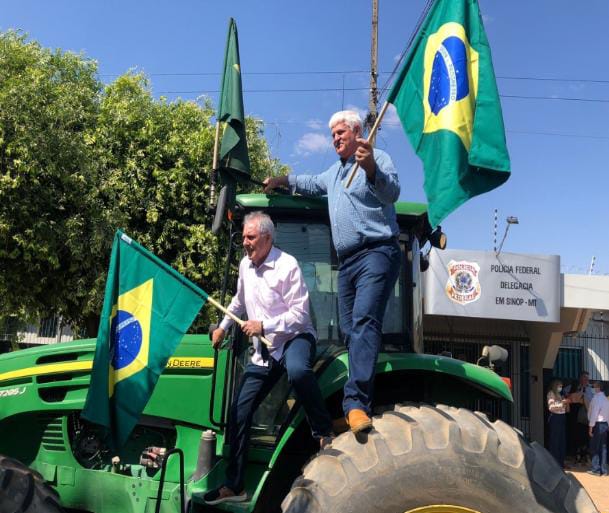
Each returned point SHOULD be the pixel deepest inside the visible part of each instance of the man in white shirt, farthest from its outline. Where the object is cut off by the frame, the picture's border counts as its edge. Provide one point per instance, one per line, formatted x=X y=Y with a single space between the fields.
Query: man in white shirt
x=272 y=291
x=598 y=416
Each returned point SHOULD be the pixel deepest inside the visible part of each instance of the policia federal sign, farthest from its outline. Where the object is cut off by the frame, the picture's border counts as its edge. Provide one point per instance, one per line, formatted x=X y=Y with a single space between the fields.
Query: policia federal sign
x=483 y=284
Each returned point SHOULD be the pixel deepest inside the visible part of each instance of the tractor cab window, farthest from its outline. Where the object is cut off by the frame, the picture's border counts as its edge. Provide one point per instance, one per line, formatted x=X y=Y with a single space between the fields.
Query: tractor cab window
x=311 y=245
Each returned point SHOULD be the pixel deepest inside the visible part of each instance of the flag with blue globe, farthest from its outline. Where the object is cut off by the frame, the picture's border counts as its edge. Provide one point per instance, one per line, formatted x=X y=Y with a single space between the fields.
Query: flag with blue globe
x=447 y=100
x=148 y=307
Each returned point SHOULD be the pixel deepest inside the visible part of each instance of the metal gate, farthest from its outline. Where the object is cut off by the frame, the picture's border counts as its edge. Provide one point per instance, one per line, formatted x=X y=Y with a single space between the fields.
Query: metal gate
x=469 y=348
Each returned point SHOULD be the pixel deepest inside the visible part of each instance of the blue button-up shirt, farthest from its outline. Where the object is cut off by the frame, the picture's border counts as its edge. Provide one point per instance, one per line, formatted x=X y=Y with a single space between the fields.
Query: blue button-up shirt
x=364 y=212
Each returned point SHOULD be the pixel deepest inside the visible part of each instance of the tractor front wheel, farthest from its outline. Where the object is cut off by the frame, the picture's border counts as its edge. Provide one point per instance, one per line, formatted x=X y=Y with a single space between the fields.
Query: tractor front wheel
x=423 y=459
x=23 y=490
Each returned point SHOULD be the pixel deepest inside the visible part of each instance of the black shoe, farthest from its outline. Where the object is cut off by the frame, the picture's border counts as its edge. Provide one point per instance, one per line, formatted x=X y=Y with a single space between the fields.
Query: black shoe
x=593 y=473
x=223 y=494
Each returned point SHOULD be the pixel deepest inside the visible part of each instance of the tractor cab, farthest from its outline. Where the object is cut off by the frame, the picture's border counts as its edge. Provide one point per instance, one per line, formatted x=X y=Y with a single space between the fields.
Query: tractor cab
x=302 y=229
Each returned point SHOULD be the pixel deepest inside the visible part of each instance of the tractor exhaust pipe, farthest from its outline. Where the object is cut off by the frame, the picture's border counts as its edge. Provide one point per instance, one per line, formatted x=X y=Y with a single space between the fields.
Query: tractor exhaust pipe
x=207 y=454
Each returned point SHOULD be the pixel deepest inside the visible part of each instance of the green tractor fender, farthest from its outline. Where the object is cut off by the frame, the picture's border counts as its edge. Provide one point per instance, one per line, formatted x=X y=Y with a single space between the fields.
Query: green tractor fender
x=401 y=378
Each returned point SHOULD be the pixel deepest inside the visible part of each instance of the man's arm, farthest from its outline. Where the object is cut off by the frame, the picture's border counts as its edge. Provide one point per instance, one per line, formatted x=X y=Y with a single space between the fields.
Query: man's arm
x=593 y=412
x=307 y=185
x=296 y=298
x=381 y=174
x=236 y=307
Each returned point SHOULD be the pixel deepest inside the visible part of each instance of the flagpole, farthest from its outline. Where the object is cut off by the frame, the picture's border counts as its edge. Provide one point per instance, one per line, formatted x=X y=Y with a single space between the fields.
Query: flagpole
x=216 y=145
x=370 y=138
x=214 y=166
x=240 y=322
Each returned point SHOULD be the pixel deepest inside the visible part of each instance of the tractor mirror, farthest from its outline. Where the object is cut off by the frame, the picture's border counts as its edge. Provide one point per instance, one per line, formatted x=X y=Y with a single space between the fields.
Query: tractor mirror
x=438 y=238
x=220 y=209
x=496 y=355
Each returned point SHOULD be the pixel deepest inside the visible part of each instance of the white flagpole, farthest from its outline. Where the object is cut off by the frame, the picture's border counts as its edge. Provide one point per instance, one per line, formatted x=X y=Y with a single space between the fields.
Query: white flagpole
x=240 y=322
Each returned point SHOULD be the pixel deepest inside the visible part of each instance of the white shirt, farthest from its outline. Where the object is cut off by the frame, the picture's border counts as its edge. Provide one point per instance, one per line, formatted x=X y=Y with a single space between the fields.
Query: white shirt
x=556 y=404
x=599 y=409
x=276 y=294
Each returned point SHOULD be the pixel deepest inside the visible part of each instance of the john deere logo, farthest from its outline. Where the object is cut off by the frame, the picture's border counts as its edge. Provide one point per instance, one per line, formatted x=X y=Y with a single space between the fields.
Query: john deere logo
x=463 y=285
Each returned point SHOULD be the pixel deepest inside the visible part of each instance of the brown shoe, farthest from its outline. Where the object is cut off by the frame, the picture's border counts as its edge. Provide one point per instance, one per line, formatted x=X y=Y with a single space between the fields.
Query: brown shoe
x=358 y=421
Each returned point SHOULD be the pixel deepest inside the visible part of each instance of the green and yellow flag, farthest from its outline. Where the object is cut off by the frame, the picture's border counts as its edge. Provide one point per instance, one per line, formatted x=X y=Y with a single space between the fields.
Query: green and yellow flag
x=148 y=306
x=447 y=100
x=233 y=156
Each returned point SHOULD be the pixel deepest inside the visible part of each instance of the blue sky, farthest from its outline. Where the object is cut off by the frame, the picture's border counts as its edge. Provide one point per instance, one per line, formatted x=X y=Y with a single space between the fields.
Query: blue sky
x=559 y=145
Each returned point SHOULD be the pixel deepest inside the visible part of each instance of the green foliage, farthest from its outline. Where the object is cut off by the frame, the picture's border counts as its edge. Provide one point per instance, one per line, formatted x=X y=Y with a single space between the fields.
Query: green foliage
x=79 y=160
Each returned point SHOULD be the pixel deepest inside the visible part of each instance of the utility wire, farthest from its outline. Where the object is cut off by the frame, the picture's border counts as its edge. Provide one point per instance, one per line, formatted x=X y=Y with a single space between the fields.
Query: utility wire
x=354 y=72
x=394 y=124
x=340 y=89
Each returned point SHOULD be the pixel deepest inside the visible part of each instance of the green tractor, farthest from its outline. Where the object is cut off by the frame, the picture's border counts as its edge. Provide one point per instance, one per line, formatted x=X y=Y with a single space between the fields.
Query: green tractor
x=430 y=451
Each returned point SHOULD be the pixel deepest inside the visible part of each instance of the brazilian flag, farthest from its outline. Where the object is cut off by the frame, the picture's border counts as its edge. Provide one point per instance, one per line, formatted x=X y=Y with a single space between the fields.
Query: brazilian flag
x=447 y=100
x=148 y=306
x=233 y=155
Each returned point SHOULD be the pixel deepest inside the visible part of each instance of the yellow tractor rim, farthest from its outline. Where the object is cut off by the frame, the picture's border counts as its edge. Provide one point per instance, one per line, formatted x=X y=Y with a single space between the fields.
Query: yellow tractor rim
x=442 y=508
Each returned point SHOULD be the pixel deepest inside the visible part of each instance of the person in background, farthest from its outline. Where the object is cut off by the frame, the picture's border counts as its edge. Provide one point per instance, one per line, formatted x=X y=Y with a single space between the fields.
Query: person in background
x=598 y=416
x=580 y=394
x=557 y=406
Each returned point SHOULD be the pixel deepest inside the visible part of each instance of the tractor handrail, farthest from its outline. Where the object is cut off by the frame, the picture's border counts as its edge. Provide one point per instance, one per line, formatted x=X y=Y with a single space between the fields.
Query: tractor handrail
x=159 y=496
x=221 y=422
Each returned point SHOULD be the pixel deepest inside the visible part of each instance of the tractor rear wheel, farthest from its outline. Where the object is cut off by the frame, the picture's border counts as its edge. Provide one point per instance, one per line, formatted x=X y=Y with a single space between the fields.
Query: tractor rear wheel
x=23 y=490
x=423 y=459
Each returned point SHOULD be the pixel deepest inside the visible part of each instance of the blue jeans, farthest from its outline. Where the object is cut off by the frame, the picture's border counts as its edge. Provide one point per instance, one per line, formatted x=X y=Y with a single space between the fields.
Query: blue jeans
x=365 y=281
x=558 y=441
x=598 y=447
x=256 y=383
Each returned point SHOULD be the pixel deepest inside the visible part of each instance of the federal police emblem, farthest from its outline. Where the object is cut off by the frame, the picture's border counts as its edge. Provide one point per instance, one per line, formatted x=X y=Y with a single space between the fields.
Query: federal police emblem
x=463 y=285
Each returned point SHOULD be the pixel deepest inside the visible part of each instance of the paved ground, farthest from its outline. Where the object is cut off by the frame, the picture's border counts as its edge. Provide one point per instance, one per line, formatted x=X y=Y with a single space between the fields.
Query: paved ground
x=597 y=487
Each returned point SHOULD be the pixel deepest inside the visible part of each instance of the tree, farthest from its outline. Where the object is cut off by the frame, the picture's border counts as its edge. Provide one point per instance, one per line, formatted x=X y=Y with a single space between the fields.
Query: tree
x=117 y=158
x=48 y=102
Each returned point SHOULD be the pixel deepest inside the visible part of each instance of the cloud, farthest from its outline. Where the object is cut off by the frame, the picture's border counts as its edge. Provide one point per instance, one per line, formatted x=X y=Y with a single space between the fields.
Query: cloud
x=361 y=112
x=316 y=124
x=391 y=119
x=487 y=20
x=312 y=142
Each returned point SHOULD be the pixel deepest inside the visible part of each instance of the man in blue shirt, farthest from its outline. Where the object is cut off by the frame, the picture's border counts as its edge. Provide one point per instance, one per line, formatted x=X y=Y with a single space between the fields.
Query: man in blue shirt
x=365 y=235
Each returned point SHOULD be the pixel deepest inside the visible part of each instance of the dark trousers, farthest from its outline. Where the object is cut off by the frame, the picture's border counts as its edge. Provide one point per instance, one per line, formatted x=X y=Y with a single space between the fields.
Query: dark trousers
x=257 y=382
x=365 y=281
x=557 y=444
x=598 y=447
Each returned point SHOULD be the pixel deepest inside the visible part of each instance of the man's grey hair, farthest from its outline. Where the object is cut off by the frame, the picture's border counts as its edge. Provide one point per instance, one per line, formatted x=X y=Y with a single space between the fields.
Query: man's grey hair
x=351 y=118
x=265 y=224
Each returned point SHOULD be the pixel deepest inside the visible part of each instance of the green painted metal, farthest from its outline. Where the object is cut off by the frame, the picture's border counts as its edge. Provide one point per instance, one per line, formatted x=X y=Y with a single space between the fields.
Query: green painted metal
x=36 y=430
x=335 y=376
x=252 y=201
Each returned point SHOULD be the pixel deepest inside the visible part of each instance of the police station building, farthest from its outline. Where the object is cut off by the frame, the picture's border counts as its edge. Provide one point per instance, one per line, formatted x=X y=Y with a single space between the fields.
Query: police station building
x=551 y=324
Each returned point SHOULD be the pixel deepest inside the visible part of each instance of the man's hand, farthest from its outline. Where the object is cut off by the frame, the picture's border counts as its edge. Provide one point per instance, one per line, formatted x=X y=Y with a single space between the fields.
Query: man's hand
x=590 y=431
x=365 y=156
x=273 y=182
x=217 y=337
x=252 y=328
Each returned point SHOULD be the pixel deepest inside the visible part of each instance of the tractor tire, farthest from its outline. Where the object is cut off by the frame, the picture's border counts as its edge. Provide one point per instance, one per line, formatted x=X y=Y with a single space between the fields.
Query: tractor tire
x=426 y=459
x=23 y=490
